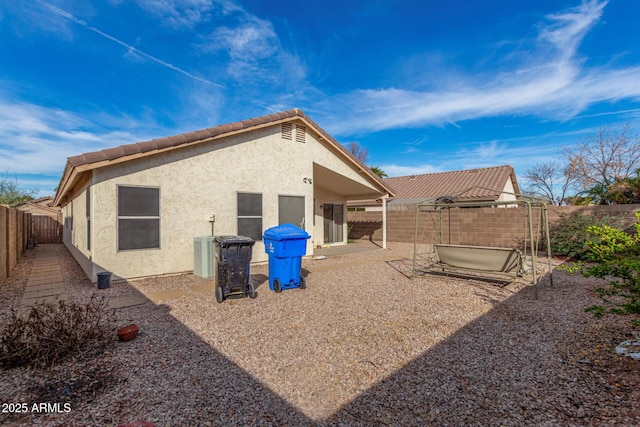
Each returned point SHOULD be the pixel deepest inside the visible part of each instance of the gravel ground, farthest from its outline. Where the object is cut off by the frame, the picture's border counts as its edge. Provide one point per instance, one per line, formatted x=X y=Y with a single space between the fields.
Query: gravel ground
x=363 y=345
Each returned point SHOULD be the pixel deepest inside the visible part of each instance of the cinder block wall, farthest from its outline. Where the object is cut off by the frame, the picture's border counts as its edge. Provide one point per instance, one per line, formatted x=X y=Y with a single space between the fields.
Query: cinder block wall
x=15 y=230
x=502 y=227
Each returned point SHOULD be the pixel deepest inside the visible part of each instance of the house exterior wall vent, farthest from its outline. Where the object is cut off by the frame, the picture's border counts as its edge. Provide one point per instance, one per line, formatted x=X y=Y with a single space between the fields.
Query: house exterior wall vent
x=287 y=130
x=301 y=132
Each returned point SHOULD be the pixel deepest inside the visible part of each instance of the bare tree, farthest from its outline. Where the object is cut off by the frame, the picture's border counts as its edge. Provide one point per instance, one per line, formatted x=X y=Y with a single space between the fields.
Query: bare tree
x=358 y=151
x=10 y=192
x=551 y=180
x=606 y=158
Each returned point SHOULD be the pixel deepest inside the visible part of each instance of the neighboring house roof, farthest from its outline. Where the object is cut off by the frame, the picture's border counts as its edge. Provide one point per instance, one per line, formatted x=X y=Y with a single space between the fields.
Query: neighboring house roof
x=484 y=184
x=78 y=165
x=43 y=205
x=42 y=201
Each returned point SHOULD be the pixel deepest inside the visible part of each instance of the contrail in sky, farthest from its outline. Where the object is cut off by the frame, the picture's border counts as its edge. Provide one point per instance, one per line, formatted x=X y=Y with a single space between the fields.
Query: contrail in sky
x=78 y=21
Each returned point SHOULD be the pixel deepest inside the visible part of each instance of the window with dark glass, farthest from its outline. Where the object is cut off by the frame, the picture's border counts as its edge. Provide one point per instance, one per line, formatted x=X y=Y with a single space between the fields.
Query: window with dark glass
x=291 y=210
x=138 y=218
x=250 y=215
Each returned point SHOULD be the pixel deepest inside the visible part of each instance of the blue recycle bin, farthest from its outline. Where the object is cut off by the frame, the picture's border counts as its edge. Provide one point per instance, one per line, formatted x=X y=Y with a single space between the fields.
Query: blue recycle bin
x=285 y=245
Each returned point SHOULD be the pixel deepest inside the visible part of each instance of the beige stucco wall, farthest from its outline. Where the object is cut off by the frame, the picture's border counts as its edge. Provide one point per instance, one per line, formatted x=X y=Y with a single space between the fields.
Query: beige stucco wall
x=508 y=193
x=196 y=182
x=74 y=230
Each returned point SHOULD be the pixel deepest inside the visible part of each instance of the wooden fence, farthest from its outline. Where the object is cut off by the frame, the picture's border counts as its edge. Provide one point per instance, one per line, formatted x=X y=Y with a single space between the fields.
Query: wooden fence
x=15 y=230
x=45 y=229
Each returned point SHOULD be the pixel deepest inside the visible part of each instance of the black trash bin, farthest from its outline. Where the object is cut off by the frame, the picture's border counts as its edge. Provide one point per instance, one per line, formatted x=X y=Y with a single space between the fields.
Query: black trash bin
x=104 y=279
x=233 y=257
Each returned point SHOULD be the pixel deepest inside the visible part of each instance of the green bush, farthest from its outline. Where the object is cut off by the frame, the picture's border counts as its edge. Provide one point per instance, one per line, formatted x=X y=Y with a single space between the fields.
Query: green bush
x=51 y=332
x=615 y=256
x=569 y=235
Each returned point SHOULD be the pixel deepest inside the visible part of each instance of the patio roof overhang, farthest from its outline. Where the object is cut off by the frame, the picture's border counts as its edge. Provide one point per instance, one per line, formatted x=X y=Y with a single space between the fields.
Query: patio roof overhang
x=343 y=185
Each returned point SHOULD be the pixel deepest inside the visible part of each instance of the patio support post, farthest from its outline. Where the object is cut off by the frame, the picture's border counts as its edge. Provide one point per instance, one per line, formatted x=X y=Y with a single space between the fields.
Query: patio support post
x=384 y=221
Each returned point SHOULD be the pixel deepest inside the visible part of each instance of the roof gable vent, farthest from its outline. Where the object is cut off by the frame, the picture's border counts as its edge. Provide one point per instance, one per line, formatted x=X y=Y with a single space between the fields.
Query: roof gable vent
x=301 y=133
x=287 y=130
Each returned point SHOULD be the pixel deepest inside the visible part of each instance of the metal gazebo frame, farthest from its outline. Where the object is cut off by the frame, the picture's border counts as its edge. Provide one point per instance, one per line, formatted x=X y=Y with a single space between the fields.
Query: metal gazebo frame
x=532 y=204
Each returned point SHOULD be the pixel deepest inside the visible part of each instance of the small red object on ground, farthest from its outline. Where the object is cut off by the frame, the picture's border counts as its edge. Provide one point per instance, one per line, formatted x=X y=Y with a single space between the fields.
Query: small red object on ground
x=128 y=333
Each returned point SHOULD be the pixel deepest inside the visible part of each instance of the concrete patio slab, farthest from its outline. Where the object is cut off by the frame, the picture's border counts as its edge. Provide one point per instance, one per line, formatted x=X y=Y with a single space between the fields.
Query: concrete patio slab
x=349 y=248
x=159 y=296
x=127 y=301
x=204 y=287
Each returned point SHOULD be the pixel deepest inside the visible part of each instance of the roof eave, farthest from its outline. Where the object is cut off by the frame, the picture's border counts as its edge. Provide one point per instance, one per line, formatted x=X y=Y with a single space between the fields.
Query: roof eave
x=360 y=167
x=73 y=172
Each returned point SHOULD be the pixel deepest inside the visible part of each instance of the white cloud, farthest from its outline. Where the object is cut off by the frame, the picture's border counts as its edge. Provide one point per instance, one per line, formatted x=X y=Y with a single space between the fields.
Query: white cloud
x=568 y=28
x=491 y=150
x=255 y=53
x=398 y=170
x=553 y=84
x=132 y=52
x=179 y=14
x=27 y=19
x=38 y=140
x=247 y=45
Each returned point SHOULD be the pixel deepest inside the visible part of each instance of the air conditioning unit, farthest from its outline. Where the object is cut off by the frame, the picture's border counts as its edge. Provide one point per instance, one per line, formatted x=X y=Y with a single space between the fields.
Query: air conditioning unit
x=204 y=257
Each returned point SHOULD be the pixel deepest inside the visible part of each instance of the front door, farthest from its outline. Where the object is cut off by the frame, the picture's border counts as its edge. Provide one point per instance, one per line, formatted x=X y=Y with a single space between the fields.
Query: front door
x=333 y=219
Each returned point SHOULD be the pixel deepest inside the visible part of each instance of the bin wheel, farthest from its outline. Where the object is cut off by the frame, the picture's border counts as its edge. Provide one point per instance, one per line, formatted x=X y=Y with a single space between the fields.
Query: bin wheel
x=303 y=283
x=252 y=292
x=277 y=287
x=219 y=294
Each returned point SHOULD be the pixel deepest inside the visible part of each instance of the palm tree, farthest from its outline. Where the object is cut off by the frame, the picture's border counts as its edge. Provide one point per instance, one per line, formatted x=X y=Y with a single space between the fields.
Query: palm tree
x=624 y=191
x=378 y=171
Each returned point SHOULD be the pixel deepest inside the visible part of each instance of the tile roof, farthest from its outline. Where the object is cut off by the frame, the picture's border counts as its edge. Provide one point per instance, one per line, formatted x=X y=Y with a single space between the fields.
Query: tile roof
x=77 y=165
x=178 y=140
x=44 y=203
x=467 y=185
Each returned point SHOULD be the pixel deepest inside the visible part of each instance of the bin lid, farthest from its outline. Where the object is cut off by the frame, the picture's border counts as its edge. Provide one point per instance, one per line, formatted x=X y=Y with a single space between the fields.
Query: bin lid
x=285 y=232
x=231 y=240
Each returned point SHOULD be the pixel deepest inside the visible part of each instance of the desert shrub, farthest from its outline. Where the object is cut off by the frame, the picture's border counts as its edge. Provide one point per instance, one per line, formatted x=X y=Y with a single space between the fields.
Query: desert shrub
x=50 y=333
x=615 y=256
x=569 y=235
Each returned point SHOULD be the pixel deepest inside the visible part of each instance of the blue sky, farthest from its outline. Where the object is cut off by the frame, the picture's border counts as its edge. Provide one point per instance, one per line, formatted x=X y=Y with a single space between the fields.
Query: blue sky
x=424 y=86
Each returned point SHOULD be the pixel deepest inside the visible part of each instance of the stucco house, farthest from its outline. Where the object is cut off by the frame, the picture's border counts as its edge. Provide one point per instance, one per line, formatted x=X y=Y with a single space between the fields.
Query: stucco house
x=135 y=209
x=496 y=183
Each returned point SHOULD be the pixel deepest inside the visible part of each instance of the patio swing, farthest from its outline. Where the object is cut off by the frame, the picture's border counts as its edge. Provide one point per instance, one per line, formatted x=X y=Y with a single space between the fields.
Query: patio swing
x=484 y=262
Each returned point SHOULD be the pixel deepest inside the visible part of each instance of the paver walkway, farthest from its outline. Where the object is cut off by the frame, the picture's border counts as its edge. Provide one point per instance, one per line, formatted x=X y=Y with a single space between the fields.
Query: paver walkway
x=45 y=280
x=45 y=283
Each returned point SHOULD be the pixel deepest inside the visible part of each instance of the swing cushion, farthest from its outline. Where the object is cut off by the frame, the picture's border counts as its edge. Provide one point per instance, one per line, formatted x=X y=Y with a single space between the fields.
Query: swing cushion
x=480 y=258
